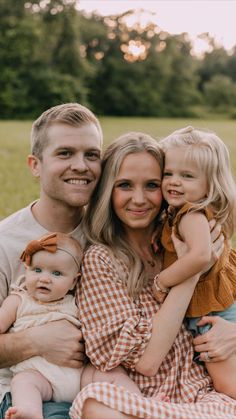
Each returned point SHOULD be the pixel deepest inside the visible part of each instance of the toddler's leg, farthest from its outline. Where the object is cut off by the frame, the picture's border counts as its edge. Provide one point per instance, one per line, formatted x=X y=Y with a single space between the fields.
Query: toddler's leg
x=29 y=389
x=116 y=376
x=223 y=374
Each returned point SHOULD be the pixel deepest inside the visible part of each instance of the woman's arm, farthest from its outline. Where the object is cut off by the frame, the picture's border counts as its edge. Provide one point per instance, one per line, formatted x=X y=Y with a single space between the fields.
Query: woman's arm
x=194 y=230
x=166 y=324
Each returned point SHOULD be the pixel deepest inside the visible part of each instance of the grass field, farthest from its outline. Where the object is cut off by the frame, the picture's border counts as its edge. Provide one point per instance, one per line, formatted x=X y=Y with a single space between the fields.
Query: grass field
x=18 y=188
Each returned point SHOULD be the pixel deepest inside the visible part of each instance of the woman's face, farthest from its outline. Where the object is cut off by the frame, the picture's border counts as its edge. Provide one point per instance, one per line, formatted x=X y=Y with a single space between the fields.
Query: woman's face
x=136 y=195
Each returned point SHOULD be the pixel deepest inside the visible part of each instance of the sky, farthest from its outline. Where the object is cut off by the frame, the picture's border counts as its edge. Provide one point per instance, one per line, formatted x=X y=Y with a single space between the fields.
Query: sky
x=195 y=17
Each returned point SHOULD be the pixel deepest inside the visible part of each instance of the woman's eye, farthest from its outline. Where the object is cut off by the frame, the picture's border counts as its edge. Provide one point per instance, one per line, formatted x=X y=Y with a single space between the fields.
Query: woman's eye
x=56 y=273
x=123 y=185
x=153 y=185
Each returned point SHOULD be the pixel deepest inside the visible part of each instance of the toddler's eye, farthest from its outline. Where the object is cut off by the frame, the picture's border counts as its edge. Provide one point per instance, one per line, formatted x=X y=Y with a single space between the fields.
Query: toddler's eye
x=188 y=175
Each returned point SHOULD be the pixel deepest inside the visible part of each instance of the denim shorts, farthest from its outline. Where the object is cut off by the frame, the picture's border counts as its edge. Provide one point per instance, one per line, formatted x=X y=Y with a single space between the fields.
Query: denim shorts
x=53 y=410
x=228 y=314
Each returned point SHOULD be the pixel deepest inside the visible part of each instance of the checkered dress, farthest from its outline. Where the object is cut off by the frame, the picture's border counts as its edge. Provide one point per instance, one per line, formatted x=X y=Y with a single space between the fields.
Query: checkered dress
x=116 y=331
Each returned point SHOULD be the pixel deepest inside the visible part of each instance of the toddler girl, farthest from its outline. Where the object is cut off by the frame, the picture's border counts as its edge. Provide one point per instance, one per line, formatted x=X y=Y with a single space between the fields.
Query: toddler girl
x=198 y=186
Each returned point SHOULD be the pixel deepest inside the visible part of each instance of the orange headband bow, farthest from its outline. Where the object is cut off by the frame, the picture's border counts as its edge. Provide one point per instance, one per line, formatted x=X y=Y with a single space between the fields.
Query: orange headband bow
x=48 y=243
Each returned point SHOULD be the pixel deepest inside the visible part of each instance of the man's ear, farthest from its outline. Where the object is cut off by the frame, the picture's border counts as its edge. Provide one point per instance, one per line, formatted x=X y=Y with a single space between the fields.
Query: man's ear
x=34 y=165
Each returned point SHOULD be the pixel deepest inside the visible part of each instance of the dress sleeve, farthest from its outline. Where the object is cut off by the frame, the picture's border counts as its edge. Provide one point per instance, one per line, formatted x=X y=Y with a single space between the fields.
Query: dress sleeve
x=115 y=328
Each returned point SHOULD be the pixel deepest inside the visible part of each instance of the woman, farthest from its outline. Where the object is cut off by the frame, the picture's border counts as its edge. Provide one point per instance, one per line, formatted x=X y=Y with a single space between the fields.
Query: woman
x=122 y=322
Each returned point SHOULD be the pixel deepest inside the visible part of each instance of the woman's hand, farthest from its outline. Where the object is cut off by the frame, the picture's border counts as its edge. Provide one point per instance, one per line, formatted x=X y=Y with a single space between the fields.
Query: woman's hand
x=219 y=342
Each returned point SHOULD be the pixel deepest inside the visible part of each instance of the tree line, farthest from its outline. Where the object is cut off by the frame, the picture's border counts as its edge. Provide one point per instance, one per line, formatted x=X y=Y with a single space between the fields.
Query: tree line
x=51 y=53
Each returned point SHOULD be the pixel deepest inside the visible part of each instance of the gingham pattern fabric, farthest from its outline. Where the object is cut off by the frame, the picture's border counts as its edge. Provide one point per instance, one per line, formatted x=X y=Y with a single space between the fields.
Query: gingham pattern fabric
x=211 y=406
x=116 y=331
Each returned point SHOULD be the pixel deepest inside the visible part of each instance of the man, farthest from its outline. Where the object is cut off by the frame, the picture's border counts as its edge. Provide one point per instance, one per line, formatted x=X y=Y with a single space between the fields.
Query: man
x=66 y=143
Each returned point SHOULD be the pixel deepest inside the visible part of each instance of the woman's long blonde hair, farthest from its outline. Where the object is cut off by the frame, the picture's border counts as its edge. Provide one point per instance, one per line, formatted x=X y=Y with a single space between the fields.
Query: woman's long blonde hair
x=101 y=225
x=212 y=157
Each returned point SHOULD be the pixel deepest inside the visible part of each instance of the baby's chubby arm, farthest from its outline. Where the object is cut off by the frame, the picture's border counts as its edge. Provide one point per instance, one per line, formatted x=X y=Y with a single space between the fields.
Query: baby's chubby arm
x=8 y=312
x=194 y=229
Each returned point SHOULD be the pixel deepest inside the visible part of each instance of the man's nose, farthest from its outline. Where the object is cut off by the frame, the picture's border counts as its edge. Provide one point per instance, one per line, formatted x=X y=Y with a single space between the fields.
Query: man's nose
x=79 y=164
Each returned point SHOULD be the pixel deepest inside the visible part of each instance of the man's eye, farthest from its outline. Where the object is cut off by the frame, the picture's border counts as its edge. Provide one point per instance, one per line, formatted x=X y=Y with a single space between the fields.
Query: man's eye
x=64 y=153
x=92 y=155
x=56 y=273
x=38 y=270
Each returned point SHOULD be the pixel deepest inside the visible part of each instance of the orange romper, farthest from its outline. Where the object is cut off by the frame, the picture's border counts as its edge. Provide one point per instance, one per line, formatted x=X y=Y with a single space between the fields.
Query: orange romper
x=216 y=291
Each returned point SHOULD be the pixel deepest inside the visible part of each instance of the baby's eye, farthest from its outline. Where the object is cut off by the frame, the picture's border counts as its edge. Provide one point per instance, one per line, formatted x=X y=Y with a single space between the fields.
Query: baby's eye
x=56 y=273
x=36 y=269
x=166 y=174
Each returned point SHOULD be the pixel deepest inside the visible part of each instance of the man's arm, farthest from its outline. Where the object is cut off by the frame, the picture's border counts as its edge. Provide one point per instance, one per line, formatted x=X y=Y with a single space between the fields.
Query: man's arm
x=59 y=342
x=219 y=341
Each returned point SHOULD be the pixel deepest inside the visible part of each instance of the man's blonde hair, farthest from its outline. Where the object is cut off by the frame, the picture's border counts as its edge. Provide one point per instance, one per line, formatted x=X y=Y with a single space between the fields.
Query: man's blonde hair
x=72 y=114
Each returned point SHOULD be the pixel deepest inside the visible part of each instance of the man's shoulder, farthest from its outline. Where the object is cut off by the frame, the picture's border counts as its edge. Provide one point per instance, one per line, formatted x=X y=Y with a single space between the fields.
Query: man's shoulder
x=15 y=221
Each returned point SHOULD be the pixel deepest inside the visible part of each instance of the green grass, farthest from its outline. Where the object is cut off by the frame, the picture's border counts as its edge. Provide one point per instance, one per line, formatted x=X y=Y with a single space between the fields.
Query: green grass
x=18 y=188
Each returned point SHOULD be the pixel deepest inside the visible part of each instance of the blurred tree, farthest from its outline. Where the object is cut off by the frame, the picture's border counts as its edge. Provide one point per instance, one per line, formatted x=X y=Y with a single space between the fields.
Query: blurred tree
x=40 y=63
x=18 y=53
x=220 y=92
x=231 y=65
x=139 y=70
x=181 y=69
x=214 y=62
x=50 y=53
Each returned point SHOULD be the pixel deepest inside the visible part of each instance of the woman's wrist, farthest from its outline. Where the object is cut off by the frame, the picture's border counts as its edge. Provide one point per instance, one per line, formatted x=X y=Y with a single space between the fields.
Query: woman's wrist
x=159 y=287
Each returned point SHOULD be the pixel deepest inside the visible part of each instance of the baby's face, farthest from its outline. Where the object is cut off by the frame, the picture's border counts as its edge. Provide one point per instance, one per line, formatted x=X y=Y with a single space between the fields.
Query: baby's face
x=50 y=275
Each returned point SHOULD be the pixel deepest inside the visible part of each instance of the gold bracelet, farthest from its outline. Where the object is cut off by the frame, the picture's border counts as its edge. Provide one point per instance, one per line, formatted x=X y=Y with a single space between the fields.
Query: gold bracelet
x=158 y=286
